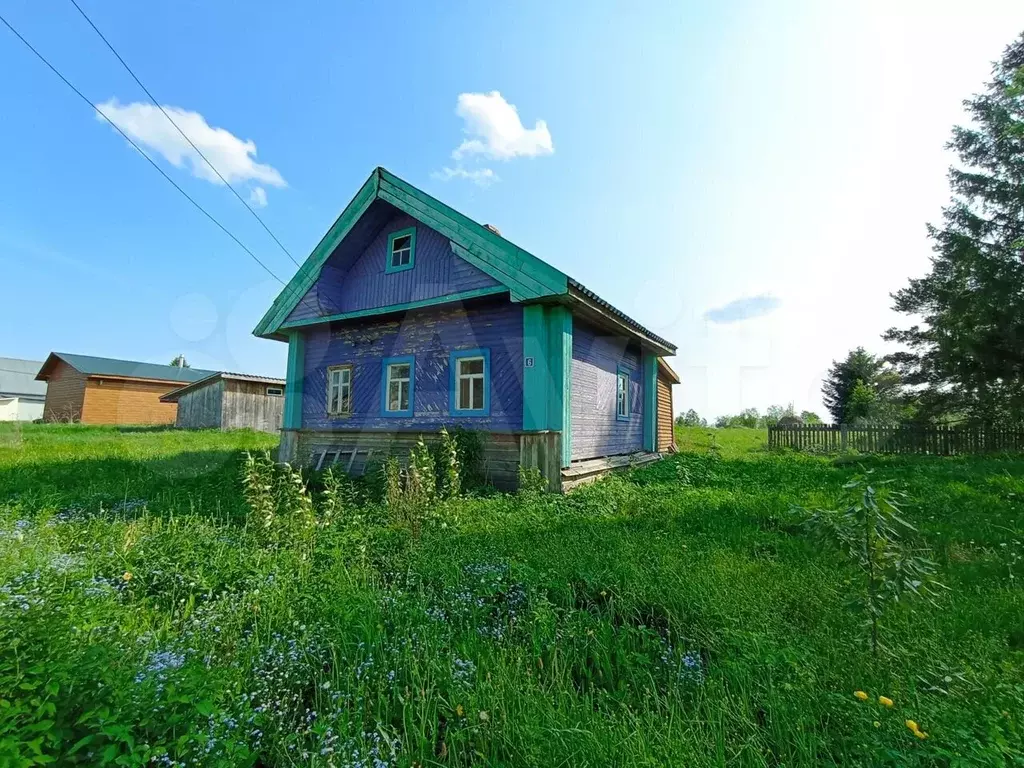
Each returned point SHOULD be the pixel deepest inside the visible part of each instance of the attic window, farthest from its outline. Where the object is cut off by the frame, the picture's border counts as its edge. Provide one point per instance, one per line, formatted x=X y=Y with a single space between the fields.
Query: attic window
x=275 y=391
x=401 y=250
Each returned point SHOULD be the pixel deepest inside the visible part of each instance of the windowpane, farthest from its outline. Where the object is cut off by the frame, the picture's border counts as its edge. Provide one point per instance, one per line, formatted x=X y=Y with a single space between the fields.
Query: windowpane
x=339 y=390
x=471 y=365
x=400 y=371
x=471 y=382
x=395 y=396
x=401 y=251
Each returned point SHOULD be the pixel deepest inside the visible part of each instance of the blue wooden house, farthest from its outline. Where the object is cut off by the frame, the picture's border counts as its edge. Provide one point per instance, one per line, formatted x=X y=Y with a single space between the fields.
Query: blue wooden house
x=408 y=317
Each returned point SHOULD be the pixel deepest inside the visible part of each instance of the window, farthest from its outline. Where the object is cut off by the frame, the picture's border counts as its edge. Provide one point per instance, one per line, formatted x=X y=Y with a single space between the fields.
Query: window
x=275 y=391
x=401 y=250
x=399 y=384
x=622 y=395
x=470 y=382
x=339 y=390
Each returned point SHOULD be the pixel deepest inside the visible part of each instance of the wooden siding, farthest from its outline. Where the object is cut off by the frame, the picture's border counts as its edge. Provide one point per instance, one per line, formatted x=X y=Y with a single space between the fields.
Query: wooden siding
x=430 y=335
x=121 y=401
x=352 y=283
x=595 y=360
x=500 y=462
x=65 y=392
x=248 y=406
x=666 y=437
x=201 y=407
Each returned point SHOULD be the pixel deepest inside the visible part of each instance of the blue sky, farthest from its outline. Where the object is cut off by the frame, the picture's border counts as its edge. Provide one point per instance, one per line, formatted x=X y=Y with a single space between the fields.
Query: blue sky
x=749 y=179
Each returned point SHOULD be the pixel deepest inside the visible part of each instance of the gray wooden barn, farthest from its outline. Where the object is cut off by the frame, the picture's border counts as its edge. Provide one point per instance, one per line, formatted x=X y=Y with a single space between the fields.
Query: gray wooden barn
x=230 y=401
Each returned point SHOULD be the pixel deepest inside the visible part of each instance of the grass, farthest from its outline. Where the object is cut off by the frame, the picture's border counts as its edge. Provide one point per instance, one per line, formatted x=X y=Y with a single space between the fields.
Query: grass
x=678 y=615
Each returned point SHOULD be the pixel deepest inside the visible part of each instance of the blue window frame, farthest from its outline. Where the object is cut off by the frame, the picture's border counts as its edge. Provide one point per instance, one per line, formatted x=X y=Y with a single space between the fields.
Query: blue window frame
x=469 y=382
x=401 y=250
x=398 y=386
x=622 y=394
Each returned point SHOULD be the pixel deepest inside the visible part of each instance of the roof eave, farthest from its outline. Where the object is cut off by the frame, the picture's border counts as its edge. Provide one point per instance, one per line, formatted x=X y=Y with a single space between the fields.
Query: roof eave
x=607 y=315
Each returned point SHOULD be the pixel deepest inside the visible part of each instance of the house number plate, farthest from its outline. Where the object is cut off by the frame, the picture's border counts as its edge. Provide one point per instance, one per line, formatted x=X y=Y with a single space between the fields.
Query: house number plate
x=528 y=362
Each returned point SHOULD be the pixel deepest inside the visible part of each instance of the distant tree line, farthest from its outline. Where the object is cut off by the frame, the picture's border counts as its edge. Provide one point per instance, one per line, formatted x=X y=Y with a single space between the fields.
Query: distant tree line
x=752 y=418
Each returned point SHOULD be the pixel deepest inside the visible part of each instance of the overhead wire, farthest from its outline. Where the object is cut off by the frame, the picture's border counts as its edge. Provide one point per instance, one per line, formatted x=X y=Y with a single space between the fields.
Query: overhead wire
x=127 y=138
x=185 y=136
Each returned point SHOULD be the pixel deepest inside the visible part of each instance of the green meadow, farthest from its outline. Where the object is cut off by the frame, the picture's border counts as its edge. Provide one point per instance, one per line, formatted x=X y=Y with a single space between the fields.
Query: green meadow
x=154 y=612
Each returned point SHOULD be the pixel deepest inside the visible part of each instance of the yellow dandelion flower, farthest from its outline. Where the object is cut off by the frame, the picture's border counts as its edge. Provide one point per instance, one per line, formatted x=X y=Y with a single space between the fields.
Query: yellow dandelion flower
x=459 y=710
x=885 y=701
x=127 y=576
x=861 y=695
x=911 y=725
x=921 y=735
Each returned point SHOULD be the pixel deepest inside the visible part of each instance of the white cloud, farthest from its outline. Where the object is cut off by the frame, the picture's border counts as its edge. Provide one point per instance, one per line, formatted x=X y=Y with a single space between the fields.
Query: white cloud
x=233 y=157
x=496 y=131
x=482 y=177
x=258 y=197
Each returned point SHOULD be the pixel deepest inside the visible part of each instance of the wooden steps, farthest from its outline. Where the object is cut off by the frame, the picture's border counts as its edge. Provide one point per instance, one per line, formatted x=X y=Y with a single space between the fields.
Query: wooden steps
x=586 y=471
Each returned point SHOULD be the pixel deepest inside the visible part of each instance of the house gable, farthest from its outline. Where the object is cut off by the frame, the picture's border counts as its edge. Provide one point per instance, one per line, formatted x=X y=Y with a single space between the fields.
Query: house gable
x=355 y=278
x=525 y=276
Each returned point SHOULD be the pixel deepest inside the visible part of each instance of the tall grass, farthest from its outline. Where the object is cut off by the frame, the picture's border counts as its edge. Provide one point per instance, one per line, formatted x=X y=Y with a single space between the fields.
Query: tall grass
x=678 y=615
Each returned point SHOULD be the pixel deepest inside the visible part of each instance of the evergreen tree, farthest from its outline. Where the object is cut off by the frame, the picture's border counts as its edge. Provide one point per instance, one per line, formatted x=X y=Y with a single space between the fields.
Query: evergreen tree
x=873 y=373
x=967 y=357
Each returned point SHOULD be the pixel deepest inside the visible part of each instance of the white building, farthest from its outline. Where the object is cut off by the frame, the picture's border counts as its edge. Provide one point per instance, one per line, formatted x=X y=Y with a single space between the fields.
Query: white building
x=21 y=396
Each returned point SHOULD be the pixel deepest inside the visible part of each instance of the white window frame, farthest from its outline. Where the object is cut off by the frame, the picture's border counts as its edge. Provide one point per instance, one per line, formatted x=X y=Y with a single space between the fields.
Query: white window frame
x=622 y=395
x=405 y=385
x=404 y=254
x=476 y=381
x=337 y=384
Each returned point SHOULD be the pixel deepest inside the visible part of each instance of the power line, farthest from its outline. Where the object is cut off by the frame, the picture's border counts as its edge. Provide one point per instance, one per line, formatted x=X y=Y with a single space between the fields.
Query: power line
x=183 y=134
x=127 y=138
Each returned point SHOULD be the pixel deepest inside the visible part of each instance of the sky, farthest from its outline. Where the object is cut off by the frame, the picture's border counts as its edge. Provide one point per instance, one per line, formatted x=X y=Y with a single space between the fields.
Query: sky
x=750 y=180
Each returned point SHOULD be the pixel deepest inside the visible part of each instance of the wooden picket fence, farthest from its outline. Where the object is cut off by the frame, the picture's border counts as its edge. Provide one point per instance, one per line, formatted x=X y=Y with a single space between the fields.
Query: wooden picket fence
x=937 y=441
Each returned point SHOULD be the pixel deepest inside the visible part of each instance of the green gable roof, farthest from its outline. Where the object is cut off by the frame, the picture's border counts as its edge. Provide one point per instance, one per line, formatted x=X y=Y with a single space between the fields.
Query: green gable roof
x=127 y=369
x=527 y=277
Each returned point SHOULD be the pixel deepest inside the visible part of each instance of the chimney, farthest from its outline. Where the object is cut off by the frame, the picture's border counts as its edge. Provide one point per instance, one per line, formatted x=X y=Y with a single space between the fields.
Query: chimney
x=493 y=229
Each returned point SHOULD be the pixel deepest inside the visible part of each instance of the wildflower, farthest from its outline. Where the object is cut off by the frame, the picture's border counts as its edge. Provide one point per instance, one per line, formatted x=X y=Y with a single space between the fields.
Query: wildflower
x=484 y=716
x=921 y=735
x=877 y=724
x=911 y=725
x=885 y=701
x=127 y=576
x=861 y=695
x=459 y=710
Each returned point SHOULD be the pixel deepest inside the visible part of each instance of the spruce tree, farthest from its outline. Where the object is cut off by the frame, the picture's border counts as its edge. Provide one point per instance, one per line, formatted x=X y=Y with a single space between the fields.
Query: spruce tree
x=967 y=356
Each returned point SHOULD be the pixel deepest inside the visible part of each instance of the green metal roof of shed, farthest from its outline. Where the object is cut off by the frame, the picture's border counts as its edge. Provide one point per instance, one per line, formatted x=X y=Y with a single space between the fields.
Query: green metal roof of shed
x=125 y=369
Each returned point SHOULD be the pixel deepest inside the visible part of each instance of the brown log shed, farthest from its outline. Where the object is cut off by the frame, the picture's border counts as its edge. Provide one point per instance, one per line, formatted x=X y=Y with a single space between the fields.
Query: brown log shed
x=100 y=390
